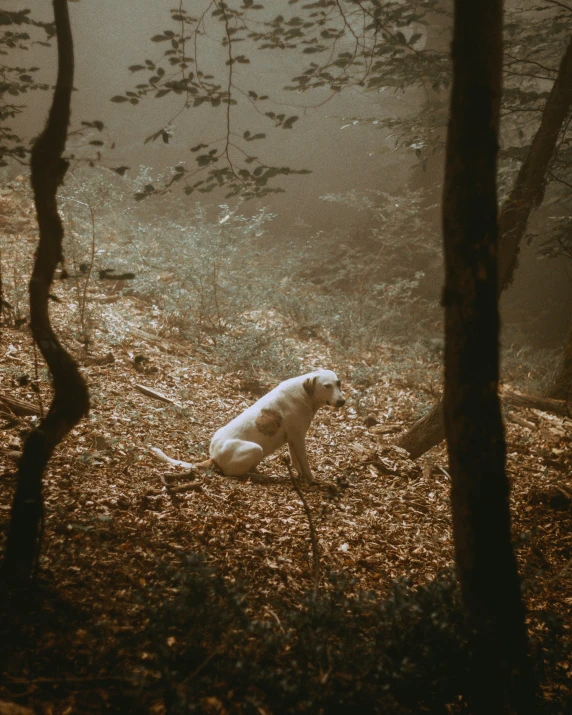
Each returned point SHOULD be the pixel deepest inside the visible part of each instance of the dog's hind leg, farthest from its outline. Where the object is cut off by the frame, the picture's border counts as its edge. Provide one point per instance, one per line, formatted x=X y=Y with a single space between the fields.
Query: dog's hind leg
x=236 y=457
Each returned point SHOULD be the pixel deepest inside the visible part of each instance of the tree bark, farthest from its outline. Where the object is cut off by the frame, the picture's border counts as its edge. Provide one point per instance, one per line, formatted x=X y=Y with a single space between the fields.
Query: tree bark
x=429 y=431
x=486 y=566
x=71 y=397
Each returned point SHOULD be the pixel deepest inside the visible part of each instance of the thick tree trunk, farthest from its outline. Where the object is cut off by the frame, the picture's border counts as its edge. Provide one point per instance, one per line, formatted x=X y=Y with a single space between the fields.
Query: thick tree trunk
x=71 y=397
x=561 y=388
x=485 y=561
x=429 y=430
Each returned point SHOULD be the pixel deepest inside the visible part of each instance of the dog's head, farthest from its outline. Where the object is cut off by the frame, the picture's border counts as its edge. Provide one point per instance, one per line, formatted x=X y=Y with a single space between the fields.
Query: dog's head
x=324 y=387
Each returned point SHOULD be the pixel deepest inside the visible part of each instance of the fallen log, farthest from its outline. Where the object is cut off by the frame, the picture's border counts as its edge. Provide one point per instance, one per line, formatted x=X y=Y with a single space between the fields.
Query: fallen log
x=544 y=404
x=18 y=407
x=429 y=430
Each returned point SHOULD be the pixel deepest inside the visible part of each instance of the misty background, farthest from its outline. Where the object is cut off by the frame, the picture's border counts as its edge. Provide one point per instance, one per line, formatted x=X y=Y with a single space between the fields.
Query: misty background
x=336 y=138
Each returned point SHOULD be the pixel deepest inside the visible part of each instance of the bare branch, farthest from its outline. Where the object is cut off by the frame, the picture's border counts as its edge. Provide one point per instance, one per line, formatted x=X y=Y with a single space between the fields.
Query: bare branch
x=313 y=537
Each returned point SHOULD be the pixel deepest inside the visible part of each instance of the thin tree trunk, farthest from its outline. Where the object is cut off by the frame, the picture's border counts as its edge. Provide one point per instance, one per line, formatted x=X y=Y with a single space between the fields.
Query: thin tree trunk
x=486 y=566
x=71 y=397
x=529 y=186
x=561 y=388
x=429 y=431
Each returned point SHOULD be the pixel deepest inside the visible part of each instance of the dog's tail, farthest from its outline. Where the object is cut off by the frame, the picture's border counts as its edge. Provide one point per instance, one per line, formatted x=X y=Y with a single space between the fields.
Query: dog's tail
x=174 y=462
x=178 y=463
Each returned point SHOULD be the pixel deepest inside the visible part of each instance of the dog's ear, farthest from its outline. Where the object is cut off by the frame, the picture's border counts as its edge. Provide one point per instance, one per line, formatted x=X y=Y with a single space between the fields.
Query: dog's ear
x=309 y=385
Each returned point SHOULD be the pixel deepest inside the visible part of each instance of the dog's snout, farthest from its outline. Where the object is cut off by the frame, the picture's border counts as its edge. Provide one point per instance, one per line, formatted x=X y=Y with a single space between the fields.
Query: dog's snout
x=341 y=402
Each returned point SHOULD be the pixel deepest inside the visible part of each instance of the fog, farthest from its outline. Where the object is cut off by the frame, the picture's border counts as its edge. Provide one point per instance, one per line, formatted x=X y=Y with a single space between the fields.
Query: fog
x=343 y=154
x=111 y=36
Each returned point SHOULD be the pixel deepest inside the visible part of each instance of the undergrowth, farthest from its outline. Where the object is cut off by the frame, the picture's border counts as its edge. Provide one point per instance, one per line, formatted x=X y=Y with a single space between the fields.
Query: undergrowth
x=228 y=285
x=248 y=302
x=404 y=653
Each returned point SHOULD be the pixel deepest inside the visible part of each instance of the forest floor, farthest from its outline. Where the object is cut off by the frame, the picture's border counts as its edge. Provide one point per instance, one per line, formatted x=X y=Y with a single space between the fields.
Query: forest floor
x=120 y=525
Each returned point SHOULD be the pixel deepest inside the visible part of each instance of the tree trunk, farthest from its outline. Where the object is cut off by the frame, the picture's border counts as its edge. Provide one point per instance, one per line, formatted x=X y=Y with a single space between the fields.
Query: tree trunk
x=71 y=397
x=486 y=566
x=429 y=430
x=529 y=186
x=561 y=388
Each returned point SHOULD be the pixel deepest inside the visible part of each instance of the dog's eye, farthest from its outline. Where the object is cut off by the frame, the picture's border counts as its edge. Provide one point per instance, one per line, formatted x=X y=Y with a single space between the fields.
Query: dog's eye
x=328 y=386
x=339 y=383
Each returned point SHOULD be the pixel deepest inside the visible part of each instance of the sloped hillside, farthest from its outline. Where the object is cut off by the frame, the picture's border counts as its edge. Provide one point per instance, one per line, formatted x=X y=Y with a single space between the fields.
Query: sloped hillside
x=121 y=530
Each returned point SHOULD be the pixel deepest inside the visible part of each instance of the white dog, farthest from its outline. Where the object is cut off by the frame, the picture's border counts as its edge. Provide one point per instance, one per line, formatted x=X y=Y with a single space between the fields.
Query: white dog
x=283 y=416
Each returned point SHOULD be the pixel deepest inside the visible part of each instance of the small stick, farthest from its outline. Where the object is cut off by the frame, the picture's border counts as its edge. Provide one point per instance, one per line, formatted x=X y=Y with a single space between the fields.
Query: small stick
x=313 y=537
x=155 y=395
x=445 y=472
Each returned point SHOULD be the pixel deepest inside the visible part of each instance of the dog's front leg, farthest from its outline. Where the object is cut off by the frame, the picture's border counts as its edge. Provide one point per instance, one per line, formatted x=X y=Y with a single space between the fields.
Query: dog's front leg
x=297 y=449
x=293 y=459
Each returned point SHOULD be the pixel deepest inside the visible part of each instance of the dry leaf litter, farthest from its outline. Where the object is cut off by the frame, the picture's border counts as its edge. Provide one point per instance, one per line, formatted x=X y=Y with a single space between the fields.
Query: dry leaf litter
x=113 y=512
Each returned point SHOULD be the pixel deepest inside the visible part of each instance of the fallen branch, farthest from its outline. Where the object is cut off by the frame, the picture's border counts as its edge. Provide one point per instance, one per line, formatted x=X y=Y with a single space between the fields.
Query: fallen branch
x=156 y=395
x=385 y=429
x=190 y=486
x=313 y=537
x=18 y=407
x=544 y=404
x=518 y=420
